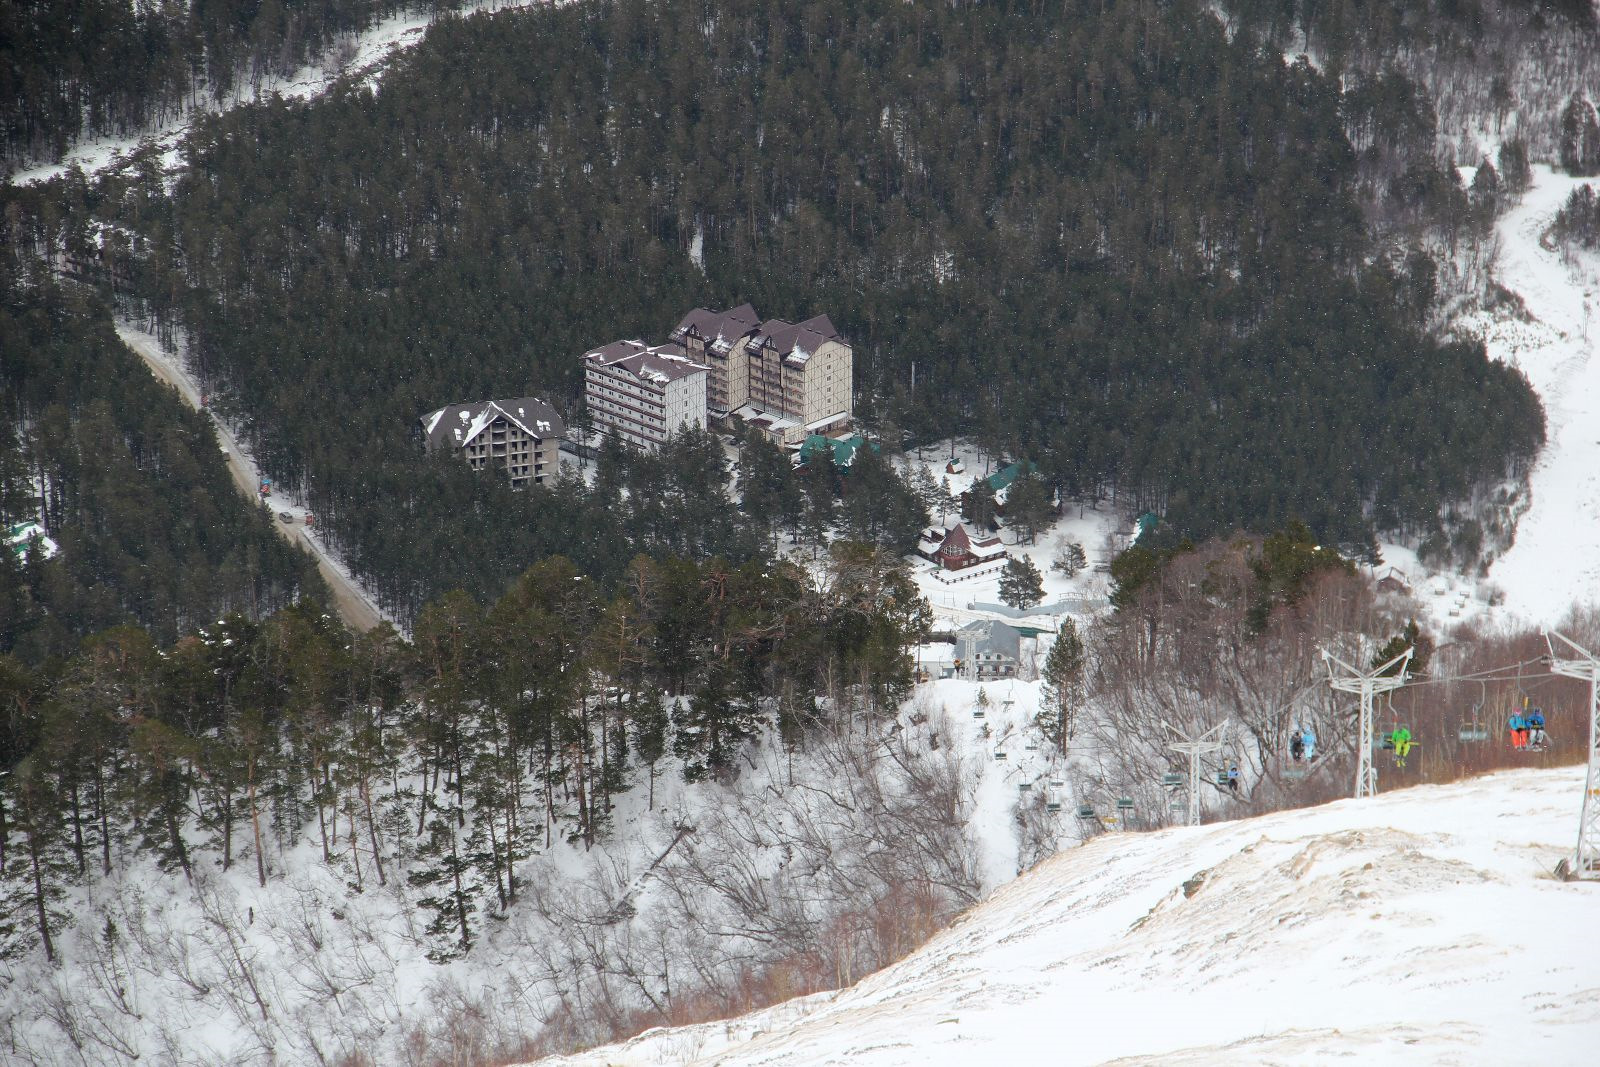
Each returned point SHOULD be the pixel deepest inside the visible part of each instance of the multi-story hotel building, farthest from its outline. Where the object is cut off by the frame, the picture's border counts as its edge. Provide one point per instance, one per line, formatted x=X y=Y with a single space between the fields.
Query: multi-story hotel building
x=521 y=437
x=719 y=340
x=788 y=379
x=643 y=394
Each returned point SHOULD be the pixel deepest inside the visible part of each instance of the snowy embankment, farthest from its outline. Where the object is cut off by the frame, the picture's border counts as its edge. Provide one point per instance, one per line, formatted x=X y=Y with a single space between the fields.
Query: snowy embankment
x=362 y=56
x=1419 y=927
x=1555 y=559
x=692 y=889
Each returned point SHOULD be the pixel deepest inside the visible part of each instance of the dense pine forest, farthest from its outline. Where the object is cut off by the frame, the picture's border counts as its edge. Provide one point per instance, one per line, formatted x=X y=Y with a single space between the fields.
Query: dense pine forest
x=497 y=730
x=1110 y=237
x=128 y=480
x=94 y=67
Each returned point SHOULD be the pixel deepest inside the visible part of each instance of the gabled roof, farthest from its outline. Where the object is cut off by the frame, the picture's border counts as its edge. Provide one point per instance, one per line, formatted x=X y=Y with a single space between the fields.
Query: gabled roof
x=988 y=635
x=796 y=342
x=958 y=537
x=23 y=534
x=1001 y=479
x=456 y=425
x=658 y=364
x=720 y=330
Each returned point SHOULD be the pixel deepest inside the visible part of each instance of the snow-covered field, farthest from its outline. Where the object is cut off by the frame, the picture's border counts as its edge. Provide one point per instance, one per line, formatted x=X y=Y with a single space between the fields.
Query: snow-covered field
x=1420 y=927
x=1555 y=561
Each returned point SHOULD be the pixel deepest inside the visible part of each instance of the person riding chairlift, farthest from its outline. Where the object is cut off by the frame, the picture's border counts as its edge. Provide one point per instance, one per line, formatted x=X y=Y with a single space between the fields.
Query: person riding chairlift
x=1535 y=722
x=1519 y=730
x=1308 y=740
x=1400 y=741
x=1297 y=745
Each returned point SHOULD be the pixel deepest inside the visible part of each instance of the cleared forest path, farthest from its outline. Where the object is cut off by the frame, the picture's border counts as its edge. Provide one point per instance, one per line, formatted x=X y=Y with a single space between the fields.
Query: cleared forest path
x=349 y=599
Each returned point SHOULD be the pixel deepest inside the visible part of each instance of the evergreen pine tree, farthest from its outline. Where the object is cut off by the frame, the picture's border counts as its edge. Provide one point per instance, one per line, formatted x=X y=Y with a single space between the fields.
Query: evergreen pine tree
x=1063 y=684
x=1021 y=584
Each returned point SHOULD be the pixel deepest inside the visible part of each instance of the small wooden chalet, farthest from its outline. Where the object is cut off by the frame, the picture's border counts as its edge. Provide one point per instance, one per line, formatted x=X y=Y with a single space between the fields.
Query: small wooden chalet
x=1394 y=582
x=958 y=548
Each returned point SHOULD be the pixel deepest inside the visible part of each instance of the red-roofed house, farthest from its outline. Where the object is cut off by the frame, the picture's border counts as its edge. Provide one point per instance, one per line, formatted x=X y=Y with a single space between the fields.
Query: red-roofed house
x=957 y=548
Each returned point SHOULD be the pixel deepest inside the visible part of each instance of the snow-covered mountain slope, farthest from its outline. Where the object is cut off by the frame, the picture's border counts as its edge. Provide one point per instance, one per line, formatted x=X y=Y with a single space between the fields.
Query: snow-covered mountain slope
x=1555 y=560
x=1420 y=927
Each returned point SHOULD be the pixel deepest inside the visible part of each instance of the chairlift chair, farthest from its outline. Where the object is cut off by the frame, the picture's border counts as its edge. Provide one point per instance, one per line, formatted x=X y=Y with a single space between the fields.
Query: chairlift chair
x=1171 y=780
x=1475 y=729
x=1085 y=811
x=1052 y=806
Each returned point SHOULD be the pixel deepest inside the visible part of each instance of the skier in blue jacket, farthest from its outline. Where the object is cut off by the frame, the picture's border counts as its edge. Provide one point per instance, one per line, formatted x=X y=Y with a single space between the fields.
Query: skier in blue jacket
x=1308 y=738
x=1536 y=734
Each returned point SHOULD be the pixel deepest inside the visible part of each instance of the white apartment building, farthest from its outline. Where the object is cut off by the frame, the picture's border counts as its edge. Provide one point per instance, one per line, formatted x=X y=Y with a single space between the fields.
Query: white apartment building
x=643 y=394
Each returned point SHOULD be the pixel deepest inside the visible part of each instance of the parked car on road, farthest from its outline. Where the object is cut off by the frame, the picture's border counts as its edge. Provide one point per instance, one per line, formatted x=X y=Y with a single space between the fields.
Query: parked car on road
x=284 y=516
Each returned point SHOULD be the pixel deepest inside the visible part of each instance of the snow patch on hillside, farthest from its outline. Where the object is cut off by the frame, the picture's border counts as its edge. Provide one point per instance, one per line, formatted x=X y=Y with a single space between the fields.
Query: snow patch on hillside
x=952 y=594
x=1419 y=927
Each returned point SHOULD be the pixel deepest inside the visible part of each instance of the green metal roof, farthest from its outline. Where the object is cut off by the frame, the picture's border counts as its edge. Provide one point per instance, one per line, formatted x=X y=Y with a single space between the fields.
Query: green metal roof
x=844 y=451
x=1010 y=473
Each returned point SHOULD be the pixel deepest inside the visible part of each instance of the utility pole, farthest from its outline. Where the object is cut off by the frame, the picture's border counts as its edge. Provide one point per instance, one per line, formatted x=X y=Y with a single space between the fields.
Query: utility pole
x=1366 y=683
x=1585 y=862
x=1211 y=741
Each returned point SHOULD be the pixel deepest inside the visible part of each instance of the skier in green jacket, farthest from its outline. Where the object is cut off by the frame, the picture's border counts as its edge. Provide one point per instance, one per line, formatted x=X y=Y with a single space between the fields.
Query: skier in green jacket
x=1400 y=741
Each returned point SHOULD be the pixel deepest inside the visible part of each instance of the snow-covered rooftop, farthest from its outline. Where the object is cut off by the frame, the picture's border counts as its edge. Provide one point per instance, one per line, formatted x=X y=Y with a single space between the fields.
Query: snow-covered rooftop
x=658 y=364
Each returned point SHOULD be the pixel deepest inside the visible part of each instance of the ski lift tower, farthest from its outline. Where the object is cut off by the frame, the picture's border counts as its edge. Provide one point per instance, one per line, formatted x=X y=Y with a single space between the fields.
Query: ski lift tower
x=1366 y=683
x=1581 y=663
x=1212 y=740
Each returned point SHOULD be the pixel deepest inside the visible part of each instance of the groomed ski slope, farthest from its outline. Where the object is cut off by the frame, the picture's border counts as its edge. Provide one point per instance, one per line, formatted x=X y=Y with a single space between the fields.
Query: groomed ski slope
x=1555 y=560
x=1421 y=927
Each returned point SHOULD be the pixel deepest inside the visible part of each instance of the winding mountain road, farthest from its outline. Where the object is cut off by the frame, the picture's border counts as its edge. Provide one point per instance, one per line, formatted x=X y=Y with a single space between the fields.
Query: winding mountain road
x=349 y=599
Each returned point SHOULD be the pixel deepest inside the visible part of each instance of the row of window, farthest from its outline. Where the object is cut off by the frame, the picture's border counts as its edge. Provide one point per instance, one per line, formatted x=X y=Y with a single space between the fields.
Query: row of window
x=623 y=387
x=619 y=414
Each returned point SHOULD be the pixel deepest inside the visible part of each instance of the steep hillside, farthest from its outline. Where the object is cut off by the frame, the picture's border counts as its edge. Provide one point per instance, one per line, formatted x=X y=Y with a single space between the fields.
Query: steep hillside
x=1421 y=927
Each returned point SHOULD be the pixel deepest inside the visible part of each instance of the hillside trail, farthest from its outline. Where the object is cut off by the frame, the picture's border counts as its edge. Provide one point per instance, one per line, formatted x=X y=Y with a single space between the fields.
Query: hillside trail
x=352 y=603
x=1555 y=559
x=357 y=56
